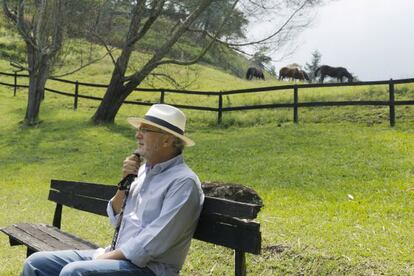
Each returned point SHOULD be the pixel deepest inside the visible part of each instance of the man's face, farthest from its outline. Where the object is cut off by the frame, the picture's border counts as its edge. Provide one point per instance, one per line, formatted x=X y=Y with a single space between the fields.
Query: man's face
x=150 y=141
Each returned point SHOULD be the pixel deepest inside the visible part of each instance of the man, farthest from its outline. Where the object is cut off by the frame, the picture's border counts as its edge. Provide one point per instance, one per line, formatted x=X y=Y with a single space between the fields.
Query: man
x=160 y=214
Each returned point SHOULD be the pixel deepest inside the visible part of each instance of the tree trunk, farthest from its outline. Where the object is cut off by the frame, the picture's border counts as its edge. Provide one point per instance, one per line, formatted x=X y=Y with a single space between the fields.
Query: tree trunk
x=118 y=89
x=38 y=74
x=111 y=102
x=34 y=100
x=117 y=92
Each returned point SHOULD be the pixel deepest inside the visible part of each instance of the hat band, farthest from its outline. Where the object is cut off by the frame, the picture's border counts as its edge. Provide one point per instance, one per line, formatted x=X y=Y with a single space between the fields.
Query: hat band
x=164 y=124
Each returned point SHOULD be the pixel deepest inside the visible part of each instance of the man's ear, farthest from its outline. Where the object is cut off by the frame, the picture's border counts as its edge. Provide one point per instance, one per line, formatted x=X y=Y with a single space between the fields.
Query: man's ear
x=168 y=140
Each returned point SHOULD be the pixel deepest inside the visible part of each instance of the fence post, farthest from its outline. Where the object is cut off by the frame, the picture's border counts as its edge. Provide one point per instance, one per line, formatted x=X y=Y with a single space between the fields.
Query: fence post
x=15 y=83
x=392 y=103
x=220 y=109
x=75 y=103
x=162 y=96
x=295 y=104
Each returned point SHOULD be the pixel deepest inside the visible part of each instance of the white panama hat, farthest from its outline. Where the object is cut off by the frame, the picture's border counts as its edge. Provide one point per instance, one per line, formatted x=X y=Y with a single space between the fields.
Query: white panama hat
x=167 y=118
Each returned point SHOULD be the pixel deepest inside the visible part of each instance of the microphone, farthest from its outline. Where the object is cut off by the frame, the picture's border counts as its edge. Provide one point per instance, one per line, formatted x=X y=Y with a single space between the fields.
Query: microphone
x=126 y=182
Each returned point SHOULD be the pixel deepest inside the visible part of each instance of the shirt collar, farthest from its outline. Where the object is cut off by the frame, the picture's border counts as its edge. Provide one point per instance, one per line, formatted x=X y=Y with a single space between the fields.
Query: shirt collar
x=160 y=167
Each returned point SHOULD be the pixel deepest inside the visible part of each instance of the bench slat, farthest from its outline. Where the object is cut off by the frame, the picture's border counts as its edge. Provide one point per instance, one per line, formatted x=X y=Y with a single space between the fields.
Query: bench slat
x=88 y=204
x=229 y=232
x=42 y=237
x=93 y=190
x=17 y=236
x=68 y=241
x=230 y=208
x=35 y=232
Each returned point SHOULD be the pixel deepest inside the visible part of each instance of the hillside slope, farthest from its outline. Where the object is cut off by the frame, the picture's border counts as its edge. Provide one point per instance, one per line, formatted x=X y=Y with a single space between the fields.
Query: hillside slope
x=13 y=48
x=211 y=78
x=337 y=195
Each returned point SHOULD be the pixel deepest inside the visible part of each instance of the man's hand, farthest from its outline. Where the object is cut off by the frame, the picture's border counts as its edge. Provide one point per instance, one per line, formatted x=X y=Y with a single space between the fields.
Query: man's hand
x=131 y=165
x=112 y=255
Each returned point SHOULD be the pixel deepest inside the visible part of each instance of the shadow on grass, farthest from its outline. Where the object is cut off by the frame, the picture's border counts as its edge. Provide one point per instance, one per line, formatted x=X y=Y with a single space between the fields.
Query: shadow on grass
x=61 y=136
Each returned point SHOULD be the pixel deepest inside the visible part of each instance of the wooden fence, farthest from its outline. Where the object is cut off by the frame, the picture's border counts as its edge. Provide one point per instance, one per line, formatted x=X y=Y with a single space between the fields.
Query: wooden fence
x=391 y=102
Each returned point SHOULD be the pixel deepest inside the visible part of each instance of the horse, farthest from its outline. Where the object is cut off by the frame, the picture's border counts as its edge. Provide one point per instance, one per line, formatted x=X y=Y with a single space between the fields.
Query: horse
x=293 y=73
x=254 y=72
x=334 y=72
x=301 y=75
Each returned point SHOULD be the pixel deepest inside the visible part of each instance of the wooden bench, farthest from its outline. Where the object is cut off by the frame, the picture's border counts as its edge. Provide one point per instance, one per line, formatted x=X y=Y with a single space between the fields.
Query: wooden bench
x=223 y=222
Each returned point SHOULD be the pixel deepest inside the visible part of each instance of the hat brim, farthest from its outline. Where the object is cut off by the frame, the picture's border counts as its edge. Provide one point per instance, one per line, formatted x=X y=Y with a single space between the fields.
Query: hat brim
x=136 y=122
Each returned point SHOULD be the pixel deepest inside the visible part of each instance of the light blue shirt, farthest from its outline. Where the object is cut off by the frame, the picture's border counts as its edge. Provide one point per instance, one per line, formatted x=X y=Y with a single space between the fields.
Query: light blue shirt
x=160 y=216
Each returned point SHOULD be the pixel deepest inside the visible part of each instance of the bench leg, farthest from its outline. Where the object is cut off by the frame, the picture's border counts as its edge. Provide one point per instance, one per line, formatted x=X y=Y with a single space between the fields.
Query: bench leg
x=14 y=242
x=240 y=263
x=29 y=252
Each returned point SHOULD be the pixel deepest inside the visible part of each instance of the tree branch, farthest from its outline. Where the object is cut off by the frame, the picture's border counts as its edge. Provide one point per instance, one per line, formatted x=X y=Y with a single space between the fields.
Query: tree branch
x=264 y=39
x=8 y=13
x=170 y=79
x=57 y=37
x=137 y=14
x=162 y=51
x=204 y=51
x=18 y=65
x=39 y=32
x=82 y=66
x=108 y=50
x=187 y=62
x=155 y=13
x=18 y=19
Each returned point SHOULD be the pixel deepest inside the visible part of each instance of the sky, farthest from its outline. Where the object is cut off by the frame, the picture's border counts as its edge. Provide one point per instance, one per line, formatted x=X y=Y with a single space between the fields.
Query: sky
x=373 y=39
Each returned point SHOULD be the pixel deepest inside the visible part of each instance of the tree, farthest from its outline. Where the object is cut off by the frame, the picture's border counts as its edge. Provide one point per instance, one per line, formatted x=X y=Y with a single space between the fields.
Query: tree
x=314 y=64
x=143 y=16
x=81 y=17
x=42 y=34
x=41 y=24
x=213 y=16
x=260 y=58
x=146 y=15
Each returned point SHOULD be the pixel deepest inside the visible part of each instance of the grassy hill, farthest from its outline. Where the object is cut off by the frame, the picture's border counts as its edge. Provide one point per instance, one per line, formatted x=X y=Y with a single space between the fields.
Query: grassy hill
x=305 y=174
x=338 y=187
x=218 y=56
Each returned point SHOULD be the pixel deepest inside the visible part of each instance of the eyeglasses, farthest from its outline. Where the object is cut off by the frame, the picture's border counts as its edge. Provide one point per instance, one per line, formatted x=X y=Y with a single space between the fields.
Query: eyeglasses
x=144 y=130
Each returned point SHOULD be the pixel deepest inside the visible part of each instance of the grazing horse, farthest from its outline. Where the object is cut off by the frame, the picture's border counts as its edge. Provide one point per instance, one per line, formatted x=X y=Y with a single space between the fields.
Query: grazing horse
x=301 y=75
x=334 y=72
x=293 y=73
x=254 y=72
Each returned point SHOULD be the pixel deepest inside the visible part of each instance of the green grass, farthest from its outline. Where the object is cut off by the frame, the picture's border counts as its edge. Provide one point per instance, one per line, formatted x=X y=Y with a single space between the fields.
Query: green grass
x=207 y=78
x=305 y=174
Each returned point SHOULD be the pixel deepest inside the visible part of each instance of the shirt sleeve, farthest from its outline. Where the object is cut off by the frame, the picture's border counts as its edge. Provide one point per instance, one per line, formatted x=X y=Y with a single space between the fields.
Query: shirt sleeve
x=113 y=218
x=110 y=211
x=175 y=224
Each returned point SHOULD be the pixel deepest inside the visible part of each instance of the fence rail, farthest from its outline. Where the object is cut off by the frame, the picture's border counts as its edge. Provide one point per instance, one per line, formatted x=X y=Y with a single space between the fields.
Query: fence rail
x=221 y=109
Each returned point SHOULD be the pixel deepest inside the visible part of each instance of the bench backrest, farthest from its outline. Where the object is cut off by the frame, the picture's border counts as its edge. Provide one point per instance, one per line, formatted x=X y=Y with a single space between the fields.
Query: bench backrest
x=223 y=222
